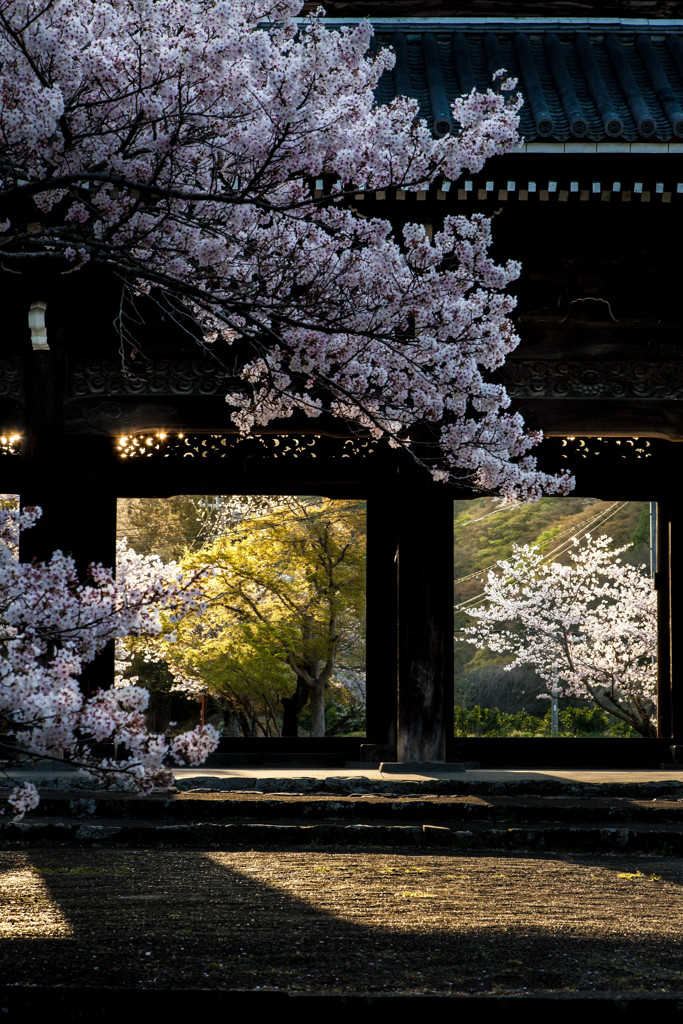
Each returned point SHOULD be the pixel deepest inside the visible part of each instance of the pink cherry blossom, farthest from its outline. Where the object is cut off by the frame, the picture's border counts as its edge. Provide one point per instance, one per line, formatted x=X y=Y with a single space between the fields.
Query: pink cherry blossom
x=215 y=154
x=51 y=626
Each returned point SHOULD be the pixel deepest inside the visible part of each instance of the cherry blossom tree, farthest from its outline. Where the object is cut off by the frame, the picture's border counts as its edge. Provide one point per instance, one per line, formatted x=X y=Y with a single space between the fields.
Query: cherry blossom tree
x=208 y=154
x=51 y=625
x=588 y=628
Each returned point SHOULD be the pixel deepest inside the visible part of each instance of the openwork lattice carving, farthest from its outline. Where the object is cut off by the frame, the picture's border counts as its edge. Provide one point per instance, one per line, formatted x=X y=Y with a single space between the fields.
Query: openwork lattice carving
x=106 y=417
x=630 y=448
x=523 y=379
x=160 y=444
x=565 y=379
x=10 y=378
x=162 y=377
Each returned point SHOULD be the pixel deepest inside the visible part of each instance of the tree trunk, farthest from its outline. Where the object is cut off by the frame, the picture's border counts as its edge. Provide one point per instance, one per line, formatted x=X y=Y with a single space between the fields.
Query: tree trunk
x=245 y=723
x=292 y=708
x=317 y=695
x=231 y=726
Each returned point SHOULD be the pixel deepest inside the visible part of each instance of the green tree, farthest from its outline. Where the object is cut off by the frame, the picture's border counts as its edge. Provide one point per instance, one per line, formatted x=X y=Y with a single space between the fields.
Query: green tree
x=284 y=612
x=167 y=527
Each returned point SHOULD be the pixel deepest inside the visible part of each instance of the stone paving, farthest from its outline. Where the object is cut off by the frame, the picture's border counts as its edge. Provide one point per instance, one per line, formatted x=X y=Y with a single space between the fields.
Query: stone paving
x=243 y=919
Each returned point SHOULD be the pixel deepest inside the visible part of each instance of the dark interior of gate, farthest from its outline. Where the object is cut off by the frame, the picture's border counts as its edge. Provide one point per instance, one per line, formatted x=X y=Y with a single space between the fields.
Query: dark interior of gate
x=591 y=205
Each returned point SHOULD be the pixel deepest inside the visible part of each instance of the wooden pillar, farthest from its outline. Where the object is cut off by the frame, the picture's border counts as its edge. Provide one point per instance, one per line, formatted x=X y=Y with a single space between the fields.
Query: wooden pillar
x=43 y=449
x=381 y=625
x=70 y=478
x=425 y=624
x=76 y=498
x=79 y=518
x=676 y=620
x=662 y=584
x=669 y=621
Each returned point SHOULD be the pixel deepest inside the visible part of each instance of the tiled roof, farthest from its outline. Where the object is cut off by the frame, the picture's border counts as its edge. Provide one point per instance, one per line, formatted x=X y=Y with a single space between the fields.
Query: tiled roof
x=600 y=82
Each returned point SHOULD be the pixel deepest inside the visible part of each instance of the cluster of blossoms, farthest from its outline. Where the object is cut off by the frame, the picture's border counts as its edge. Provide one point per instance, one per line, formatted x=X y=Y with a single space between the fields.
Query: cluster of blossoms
x=51 y=625
x=589 y=628
x=208 y=153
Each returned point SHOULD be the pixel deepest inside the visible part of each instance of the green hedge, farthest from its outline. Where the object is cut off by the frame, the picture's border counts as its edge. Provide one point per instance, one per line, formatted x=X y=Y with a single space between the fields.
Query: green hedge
x=579 y=721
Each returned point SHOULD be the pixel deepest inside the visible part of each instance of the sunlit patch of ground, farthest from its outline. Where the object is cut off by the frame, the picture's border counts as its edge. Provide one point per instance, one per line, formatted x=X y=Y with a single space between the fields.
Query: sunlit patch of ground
x=409 y=894
x=27 y=910
x=340 y=921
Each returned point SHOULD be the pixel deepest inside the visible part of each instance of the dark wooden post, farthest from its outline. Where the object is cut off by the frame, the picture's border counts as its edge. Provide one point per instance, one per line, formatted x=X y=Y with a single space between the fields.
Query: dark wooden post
x=669 y=621
x=425 y=624
x=381 y=625
x=70 y=478
x=662 y=584
x=44 y=468
x=676 y=620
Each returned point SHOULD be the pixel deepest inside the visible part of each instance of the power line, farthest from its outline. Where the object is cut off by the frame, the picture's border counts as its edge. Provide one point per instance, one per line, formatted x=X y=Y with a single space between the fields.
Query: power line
x=477 y=572
x=286 y=517
x=578 y=531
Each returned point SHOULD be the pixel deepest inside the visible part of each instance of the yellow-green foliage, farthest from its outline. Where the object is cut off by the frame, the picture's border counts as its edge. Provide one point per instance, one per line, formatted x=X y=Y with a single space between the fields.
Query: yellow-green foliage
x=166 y=527
x=286 y=599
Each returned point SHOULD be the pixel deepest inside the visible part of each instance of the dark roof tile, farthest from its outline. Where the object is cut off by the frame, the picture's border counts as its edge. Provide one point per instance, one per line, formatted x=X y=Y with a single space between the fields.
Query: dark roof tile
x=616 y=83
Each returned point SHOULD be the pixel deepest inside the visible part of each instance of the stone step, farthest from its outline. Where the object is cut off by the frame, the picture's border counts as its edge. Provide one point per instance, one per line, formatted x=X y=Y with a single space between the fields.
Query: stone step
x=645 y=817
x=391 y=808
x=662 y=841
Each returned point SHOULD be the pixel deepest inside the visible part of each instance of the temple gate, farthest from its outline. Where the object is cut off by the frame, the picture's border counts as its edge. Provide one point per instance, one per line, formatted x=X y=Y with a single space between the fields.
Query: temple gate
x=590 y=205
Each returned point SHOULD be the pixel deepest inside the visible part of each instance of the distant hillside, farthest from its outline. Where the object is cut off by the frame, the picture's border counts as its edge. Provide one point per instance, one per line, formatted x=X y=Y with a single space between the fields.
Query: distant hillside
x=484 y=532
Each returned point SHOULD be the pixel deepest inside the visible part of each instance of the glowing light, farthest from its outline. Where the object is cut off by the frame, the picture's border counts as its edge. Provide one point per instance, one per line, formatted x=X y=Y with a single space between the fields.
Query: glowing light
x=8 y=443
x=142 y=444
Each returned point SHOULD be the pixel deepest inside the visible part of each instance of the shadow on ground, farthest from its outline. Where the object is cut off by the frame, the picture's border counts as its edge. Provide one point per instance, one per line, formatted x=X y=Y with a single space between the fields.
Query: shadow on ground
x=339 y=922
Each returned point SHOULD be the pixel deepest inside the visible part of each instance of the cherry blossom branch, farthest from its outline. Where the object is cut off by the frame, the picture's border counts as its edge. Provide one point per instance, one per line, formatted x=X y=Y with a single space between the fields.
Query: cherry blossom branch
x=51 y=626
x=178 y=149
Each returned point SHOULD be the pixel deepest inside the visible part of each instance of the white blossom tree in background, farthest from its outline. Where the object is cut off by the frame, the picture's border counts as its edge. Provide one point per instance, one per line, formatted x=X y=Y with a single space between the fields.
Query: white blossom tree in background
x=207 y=153
x=588 y=627
x=51 y=625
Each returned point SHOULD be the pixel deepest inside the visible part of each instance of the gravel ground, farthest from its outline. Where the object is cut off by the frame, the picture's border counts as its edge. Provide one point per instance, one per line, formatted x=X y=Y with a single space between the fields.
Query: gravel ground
x=333 y=921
